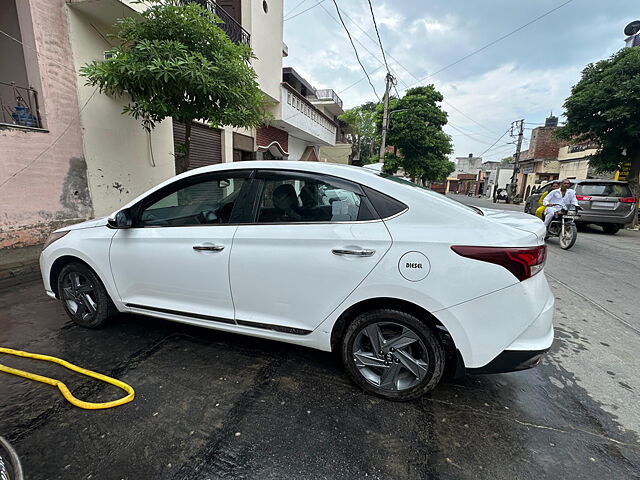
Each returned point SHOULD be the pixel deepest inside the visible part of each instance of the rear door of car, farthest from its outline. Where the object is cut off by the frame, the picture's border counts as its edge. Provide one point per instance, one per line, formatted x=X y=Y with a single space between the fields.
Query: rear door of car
x=313 y=239
x=604 y=198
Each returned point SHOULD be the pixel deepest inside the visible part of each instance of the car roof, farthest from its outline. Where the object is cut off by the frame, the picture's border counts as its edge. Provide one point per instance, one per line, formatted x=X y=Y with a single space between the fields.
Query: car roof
x=341 y=170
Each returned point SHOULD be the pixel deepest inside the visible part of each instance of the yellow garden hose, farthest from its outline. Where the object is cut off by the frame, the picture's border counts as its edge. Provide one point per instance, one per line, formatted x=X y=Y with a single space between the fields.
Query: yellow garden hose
x=61 y=386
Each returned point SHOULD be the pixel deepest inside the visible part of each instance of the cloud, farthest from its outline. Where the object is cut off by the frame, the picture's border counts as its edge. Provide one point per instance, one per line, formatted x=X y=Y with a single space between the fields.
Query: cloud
x=526 y=75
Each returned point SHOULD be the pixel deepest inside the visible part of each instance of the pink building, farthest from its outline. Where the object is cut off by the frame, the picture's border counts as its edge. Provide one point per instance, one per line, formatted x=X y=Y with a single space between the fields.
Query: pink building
x=43 y=179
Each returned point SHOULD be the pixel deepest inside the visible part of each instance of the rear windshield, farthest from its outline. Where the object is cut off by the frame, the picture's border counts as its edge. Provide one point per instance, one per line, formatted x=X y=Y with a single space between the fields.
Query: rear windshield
x=603 y=189
x=429 y=191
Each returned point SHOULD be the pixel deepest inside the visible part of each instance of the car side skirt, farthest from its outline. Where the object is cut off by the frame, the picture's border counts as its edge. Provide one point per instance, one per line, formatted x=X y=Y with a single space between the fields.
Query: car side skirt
x=265 y=326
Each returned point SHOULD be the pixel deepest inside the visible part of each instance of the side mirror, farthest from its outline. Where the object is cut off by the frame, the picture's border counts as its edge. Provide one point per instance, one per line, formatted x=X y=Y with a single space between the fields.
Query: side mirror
x=121 y=219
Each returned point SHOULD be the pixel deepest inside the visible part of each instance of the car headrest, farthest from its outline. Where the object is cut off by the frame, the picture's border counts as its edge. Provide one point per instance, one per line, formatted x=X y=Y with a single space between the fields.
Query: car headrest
x=285 y=198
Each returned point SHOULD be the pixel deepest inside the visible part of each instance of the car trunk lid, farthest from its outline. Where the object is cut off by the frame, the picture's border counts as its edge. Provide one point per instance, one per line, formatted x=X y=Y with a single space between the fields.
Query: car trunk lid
x=519 y=220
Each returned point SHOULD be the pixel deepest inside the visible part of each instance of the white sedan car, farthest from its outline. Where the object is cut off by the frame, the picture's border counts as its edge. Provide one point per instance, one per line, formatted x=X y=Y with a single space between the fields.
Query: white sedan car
x=401 y=281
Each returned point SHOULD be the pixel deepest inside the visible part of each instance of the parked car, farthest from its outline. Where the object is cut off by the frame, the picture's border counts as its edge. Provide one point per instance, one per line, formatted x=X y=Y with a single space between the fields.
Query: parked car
x=606 y=203
x=399 y=280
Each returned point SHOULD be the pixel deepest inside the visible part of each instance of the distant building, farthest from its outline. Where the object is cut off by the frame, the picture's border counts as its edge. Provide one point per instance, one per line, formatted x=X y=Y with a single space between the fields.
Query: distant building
x=468 y=164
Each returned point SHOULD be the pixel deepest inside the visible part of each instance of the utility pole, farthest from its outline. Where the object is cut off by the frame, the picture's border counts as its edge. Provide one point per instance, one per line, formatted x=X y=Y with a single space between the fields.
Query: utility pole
x=385 y=117
x=513 y=187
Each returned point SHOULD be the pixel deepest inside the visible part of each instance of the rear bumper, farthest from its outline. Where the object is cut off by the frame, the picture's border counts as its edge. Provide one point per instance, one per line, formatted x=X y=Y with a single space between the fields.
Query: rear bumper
x=510 y=361
x=587 y=216
x=524 y=352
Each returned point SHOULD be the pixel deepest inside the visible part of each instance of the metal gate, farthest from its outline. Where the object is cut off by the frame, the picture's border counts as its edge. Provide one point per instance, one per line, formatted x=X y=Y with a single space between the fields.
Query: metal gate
x=206 y=144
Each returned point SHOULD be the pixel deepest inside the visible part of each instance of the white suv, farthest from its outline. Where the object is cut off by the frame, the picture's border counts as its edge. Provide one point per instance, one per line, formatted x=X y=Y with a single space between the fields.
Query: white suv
x=398 y=279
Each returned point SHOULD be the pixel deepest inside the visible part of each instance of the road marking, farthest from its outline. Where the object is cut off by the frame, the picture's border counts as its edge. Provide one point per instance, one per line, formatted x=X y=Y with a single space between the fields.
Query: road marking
x=595 y=304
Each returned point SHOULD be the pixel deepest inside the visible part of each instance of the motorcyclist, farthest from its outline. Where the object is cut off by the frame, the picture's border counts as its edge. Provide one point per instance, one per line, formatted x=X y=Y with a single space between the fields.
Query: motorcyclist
x=557 y=199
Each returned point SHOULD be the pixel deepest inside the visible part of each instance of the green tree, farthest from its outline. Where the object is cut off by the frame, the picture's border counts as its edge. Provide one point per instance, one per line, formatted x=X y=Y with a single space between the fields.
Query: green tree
x=362 y=121
x=421 y=147
x=178 y=63
x=603 y=107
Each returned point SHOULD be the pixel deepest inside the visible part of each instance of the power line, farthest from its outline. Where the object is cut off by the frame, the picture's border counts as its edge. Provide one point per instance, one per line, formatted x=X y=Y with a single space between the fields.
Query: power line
x=52 y=144
x=294 y=8
x=358 y=81
x=38 y=53
x=303 y=11
x=355 y=50
x=389 y=70
x=374 y=41
x=467 y=116
x=501 y=136
x=469 y=130
x=495 y=41
x=466 y=134
x=373 y=17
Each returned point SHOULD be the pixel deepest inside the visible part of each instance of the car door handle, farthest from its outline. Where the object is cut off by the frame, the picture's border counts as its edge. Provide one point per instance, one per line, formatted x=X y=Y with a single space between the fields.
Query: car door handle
x=355 y=253
x=208 y=248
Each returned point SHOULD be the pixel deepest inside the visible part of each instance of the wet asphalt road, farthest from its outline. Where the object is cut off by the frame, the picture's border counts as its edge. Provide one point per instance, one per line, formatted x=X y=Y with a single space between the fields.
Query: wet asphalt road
x=212 y=405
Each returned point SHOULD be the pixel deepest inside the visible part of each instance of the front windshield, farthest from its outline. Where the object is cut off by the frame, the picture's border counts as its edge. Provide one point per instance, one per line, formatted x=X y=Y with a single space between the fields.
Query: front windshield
x=428 y=191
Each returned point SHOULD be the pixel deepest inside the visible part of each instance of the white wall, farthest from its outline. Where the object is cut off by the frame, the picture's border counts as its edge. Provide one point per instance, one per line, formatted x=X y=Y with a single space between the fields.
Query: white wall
x=299 y=115
x=574 y=169
x=117 y=150
x=266 y=42
x=297 y=146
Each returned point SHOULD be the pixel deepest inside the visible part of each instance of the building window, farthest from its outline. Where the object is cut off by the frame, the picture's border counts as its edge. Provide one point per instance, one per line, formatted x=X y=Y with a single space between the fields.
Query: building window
x=18 y=68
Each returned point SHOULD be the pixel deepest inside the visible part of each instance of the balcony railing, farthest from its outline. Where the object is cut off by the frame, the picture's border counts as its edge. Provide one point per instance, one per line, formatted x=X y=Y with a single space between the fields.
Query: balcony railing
x=329 y=94
x=19 y=105
x=231 y=27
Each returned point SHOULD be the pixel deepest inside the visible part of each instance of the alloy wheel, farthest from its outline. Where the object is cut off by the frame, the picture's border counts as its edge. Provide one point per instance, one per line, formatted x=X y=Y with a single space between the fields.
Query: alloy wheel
x=79 y=294
x=390 y=356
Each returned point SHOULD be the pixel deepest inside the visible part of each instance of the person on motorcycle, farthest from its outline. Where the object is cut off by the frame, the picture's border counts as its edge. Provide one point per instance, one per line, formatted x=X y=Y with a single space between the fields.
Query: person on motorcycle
x=557 y=199
x=541 y=208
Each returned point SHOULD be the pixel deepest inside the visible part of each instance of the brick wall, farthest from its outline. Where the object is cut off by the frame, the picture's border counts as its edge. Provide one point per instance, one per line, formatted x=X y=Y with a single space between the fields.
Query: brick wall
x=267 y=135
x=542 y=144
x=43 y=180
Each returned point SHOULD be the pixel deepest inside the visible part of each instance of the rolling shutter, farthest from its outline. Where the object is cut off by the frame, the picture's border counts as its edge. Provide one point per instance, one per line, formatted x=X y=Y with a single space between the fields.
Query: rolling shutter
x=206 y=144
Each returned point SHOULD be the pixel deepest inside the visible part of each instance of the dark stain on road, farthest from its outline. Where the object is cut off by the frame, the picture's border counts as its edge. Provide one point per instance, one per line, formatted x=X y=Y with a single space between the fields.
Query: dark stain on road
x=211 y=405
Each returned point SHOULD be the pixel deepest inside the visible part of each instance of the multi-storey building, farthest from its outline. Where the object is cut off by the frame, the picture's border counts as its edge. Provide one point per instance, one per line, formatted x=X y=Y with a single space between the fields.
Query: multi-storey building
x=68 y=152
x=539 y=162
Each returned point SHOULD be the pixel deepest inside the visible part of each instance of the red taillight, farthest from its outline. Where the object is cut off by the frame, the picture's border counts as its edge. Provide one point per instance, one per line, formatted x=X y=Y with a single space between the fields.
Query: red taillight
x=583 y=197
x=627 y=200
x=523 y=262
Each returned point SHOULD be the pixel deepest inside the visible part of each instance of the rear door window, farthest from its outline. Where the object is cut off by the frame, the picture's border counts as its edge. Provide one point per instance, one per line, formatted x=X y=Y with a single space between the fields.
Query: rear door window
x=603 y=189
x=294 y=197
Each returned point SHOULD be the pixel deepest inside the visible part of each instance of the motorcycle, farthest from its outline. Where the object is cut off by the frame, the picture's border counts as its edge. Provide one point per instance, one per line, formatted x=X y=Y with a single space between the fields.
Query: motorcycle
x=500 y=195
x=563 y=226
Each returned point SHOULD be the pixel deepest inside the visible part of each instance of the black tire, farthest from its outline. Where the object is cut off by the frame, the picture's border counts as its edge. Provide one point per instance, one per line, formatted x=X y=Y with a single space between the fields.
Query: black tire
x=92 y=303
x=527 y=208
x=568 y=241
x=610 y=228
x=427 y=349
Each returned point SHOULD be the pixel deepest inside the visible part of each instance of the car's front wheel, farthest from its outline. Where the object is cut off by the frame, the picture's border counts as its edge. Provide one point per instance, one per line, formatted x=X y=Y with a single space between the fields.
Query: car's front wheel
x=83 y=295
x=392 y=354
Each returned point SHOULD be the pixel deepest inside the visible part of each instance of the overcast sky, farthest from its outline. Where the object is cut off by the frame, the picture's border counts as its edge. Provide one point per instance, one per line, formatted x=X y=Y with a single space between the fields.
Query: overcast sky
x=525 y=75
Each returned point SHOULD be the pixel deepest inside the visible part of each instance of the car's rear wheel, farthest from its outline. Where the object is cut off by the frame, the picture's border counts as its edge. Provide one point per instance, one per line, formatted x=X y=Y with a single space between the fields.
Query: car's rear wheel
x=392 y=354
x=83 y=295
x=610 y=228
